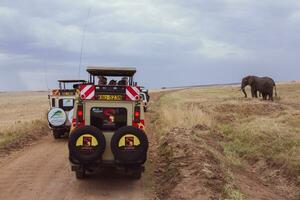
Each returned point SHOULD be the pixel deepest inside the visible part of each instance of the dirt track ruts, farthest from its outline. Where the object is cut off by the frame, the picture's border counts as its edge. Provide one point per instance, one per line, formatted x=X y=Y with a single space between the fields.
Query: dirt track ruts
x=42 y=171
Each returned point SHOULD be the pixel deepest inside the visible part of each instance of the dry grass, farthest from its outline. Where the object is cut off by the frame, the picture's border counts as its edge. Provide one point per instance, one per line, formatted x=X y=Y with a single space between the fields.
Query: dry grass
x=174 y=111
x=261 y=134
x=22 y=113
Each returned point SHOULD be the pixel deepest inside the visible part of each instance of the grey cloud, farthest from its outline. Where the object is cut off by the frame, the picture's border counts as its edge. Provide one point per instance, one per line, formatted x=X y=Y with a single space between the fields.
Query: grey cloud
x=208 y=41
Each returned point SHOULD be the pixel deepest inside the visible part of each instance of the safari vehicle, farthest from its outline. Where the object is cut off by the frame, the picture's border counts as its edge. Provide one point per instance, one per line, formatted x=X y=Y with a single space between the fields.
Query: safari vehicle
x=61 y=103
x=144 y=90
x=144 y=99
x=108 y=125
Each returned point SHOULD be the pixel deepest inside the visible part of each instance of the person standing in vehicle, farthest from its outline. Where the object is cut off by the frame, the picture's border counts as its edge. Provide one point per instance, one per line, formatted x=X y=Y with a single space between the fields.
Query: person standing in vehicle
x=123 y=81
x=102 y=80
x=112 y=82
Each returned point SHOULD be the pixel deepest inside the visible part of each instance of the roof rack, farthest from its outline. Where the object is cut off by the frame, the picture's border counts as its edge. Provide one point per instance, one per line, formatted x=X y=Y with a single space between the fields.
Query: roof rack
x=62 y=83
x=72 y=81
x=111 y=71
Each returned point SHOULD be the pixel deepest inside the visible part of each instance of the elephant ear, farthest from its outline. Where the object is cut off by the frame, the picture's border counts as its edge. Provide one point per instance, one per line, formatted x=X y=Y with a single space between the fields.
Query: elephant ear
x=250 y=80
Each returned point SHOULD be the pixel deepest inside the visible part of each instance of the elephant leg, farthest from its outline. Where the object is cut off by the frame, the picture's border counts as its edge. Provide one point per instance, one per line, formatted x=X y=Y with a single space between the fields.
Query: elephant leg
x=264 y=96
x=271 y=95
x=253 y=92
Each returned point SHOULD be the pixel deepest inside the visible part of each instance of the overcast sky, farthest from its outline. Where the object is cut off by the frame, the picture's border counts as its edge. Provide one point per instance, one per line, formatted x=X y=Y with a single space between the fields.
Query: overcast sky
x=171 y=42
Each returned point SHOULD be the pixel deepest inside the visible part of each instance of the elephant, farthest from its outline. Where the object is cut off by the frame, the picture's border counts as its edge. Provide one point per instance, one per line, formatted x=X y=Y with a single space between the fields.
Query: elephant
x=263 y=85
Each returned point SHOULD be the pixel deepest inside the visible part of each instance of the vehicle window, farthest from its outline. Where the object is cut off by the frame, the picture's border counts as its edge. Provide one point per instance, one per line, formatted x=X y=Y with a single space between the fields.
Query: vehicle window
x=108 y=119
x=66 y=104
x=53 y=102
x=144 y=98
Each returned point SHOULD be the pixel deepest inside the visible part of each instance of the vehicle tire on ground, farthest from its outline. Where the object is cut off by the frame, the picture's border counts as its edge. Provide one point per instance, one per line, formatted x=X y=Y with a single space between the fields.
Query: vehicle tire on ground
x=80 y=174
x=136 y=173
x=129 y=145
x=56 y=134
x=86 y=144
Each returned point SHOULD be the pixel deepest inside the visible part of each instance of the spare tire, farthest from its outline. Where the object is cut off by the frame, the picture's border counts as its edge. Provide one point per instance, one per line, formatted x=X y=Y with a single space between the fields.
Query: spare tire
x=86 y=144
x=129 y=145
x=57 y=117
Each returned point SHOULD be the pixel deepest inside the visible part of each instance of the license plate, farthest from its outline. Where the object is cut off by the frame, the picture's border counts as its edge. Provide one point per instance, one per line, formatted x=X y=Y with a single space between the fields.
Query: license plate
x=104 y=97
x=67 y=93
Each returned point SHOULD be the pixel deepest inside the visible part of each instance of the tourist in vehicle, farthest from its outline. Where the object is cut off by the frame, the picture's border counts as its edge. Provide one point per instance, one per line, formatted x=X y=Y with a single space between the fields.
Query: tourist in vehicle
x=102 y=80
x=123 y=81
x=112 y=82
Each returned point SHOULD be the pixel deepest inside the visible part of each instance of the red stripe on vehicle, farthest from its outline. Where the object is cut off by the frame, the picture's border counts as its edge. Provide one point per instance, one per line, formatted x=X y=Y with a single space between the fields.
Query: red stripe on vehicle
x=133 y=92
x=89 y=89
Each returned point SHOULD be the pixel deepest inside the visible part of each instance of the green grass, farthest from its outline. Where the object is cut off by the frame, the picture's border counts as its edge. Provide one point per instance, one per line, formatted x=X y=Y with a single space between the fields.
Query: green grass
x=254 y=130
x=233 y=193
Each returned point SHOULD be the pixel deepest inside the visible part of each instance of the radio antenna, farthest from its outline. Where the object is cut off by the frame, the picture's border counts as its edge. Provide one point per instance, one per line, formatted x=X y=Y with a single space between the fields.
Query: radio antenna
x=45 y=74
x=82 y=42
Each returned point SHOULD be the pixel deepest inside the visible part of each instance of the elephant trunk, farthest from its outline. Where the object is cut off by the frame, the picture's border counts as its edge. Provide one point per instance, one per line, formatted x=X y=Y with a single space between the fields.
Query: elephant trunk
x=243 y=89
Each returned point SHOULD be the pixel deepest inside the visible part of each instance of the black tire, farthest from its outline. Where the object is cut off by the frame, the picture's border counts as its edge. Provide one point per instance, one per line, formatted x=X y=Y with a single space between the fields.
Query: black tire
x=136 y=174
x=87 y=153
x=57 y=134
x=80 y=174
x=135 y=154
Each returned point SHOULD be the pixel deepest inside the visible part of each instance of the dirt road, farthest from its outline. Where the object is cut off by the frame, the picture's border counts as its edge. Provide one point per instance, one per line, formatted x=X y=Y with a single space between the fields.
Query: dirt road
x=42 y=171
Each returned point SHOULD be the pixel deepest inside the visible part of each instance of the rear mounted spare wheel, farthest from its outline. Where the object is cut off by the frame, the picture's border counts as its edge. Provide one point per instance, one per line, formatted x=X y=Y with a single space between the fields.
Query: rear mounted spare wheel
x=86 y=144
x=129 y=145
x=57 y=117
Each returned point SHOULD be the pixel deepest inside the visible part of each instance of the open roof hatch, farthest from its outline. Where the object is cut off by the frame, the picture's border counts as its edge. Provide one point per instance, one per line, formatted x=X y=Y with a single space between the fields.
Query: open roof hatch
x=111 y=71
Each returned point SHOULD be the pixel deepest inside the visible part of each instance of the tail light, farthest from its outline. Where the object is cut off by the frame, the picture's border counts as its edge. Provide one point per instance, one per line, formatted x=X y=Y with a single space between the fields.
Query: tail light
x=80 y=118
x=138 y=121
x=137 y=114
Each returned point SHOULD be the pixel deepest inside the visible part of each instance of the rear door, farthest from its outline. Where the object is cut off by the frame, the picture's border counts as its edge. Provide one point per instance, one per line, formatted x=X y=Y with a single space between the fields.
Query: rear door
x=108 y=117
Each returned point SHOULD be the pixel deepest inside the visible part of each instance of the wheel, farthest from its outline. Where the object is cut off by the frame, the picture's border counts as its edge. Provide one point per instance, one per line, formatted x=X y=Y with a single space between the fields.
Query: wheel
x=136 y=174
x=80 y=174
x=86 y=144
x=129 y=145
x=57 y=117
x=57 y=134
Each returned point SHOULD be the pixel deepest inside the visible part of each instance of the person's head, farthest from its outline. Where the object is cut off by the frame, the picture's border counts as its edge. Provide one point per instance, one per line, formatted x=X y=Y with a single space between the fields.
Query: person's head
x=125 y=80
x=112 y=82
x=102 y=80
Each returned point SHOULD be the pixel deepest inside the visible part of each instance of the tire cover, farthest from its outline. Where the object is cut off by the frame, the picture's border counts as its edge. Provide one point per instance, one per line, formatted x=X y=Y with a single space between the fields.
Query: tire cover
x=86 y=144
x=129 y=145
x=57 y=117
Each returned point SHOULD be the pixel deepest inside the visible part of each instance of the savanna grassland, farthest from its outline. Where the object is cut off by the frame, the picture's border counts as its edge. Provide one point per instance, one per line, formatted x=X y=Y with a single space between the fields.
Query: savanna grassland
x=215 y=144
x=205 y=143
x=23 y=118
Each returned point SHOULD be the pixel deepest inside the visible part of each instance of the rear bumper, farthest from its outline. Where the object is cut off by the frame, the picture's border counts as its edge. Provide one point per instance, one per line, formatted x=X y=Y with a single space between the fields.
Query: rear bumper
x=60 y=128
x=75 y=165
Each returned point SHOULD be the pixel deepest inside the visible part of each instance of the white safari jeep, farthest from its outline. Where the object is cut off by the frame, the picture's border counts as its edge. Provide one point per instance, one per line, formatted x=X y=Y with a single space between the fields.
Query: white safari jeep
x=145 y=98
x=61 y=103
x=108 y=124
